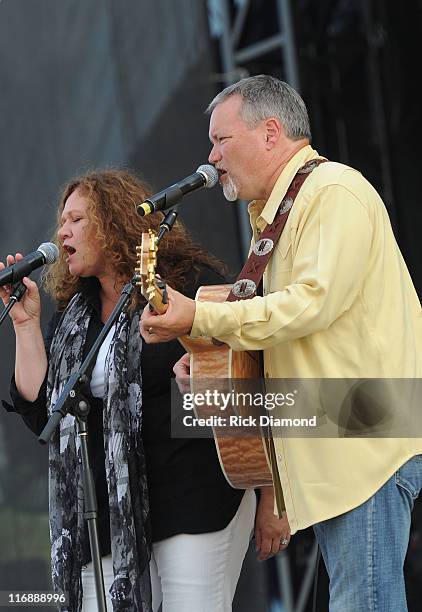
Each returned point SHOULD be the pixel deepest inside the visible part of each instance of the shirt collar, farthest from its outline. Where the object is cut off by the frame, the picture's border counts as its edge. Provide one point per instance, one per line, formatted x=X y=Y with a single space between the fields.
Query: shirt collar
x=263 y=212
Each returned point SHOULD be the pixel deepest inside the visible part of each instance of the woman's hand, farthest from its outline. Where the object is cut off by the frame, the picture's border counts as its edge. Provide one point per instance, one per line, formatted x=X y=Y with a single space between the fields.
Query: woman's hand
x=28 y=309
x=31 y=358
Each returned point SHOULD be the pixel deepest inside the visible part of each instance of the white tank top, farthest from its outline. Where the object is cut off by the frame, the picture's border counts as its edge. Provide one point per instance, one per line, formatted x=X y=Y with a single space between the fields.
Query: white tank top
x=97 y=378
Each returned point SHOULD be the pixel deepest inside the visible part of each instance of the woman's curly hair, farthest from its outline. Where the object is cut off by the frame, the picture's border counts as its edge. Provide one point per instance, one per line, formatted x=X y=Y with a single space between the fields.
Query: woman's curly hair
x=112 y=197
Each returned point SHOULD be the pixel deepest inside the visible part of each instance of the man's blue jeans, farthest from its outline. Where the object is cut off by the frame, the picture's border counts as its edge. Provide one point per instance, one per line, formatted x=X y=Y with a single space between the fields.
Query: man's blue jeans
x=364 y=549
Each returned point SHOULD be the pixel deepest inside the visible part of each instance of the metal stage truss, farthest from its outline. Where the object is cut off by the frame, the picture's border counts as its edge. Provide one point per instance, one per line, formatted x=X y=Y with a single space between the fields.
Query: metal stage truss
x=233 y=59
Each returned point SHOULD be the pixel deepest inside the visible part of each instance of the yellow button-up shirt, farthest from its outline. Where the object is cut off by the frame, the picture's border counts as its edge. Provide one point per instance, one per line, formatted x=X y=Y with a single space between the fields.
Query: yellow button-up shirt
x=338 y=303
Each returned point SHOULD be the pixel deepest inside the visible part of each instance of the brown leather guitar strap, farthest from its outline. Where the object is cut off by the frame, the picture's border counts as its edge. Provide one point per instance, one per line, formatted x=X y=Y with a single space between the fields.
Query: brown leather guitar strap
x=250 y=276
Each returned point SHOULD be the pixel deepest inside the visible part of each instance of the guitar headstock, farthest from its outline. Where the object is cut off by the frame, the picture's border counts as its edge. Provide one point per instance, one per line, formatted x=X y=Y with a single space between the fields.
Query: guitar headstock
x=151 y=287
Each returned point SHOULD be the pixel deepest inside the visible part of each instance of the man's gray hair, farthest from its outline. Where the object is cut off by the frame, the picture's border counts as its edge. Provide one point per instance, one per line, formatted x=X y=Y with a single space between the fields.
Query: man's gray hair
x=265 y=96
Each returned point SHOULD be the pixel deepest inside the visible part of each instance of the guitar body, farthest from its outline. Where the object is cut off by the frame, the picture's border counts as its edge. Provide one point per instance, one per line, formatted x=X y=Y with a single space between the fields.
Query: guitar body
x=243 y=451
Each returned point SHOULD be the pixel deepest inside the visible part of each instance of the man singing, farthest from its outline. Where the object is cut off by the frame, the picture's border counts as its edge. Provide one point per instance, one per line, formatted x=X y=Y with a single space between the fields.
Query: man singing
x=338 y=303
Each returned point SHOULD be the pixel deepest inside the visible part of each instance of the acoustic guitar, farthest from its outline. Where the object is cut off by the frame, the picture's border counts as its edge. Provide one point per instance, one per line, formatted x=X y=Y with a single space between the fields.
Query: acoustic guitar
x=243 y=450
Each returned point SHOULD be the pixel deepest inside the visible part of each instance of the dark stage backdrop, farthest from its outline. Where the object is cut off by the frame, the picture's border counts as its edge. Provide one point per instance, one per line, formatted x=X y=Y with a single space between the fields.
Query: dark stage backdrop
x=84 y=85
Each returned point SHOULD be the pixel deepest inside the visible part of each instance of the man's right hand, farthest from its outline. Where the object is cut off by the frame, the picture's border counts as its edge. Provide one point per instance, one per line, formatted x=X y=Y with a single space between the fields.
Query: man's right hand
x=182 y=370
x=28 y=310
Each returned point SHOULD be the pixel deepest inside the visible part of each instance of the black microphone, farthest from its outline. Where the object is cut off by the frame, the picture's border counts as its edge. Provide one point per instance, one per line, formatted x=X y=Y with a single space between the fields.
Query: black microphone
x=47 y=253
x=205 y=176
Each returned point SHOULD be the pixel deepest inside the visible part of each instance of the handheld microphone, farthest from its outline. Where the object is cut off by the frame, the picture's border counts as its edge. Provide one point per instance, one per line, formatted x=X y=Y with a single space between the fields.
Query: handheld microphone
x=205 y=176
x=47 y=253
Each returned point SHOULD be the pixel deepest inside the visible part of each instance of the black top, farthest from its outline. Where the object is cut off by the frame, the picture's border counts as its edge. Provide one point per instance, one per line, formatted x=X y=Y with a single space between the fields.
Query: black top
x=187 y=489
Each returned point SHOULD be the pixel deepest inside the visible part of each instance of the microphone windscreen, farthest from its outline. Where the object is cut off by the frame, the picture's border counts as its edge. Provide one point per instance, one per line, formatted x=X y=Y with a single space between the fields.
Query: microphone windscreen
x=210 y=173
x=50 y=252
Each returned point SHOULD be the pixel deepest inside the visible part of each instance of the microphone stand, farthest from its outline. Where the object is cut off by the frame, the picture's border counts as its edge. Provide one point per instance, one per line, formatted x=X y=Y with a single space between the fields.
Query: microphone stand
x=16 y=296
x=167 y=223
x=74 y=399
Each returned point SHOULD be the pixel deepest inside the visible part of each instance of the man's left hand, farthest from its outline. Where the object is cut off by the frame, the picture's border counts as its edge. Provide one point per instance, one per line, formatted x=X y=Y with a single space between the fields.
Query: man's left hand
x=270 y=531
x=176 y=322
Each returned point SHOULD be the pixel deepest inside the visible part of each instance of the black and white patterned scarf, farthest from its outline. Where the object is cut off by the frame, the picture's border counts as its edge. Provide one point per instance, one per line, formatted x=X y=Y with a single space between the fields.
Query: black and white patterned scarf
x=124 y=463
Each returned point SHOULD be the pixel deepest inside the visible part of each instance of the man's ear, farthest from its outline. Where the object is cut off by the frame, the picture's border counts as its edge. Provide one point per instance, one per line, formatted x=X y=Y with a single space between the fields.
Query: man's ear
x=273 y=131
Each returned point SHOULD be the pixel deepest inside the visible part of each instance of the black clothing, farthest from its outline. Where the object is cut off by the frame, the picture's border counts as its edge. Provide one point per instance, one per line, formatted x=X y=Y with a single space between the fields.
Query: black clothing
x=187 y=490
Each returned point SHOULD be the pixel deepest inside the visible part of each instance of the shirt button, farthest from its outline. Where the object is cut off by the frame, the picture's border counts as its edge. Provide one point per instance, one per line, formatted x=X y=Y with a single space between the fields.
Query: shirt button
x=258 y=231
x=280 y=457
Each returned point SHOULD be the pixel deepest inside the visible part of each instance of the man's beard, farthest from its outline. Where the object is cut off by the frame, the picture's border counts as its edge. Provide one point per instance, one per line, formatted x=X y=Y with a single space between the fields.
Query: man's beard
x=230 y=190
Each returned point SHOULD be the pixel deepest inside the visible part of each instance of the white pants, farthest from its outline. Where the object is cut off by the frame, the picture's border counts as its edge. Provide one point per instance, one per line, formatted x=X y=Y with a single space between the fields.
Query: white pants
x=89 y=600
x=191 y=572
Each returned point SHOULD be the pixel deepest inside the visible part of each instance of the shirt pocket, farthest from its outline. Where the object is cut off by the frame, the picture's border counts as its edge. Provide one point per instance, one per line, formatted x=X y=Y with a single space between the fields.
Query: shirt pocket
x=280 y=266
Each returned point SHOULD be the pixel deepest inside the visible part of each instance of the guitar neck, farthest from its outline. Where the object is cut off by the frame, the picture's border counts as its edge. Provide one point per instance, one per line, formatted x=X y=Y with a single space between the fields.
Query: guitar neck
x=152 y=288
x=156 y=299
x=157 y=302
